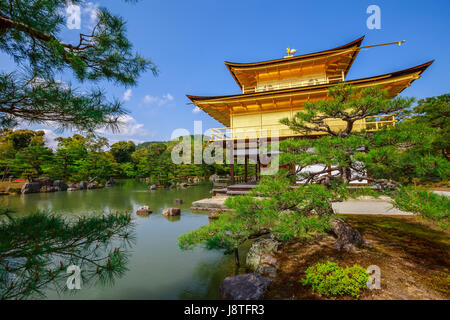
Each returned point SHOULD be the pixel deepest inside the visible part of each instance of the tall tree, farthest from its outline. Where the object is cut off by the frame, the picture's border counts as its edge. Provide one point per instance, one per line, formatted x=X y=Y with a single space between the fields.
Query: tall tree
x=435 y=112
x=122 y=151
x=30 y=34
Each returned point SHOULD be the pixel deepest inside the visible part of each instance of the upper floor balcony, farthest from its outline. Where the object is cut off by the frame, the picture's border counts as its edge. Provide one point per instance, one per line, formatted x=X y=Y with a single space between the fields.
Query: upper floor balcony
x=294 y=83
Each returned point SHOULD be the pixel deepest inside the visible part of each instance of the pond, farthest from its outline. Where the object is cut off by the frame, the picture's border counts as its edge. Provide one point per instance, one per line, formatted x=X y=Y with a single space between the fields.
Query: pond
x=157 y=268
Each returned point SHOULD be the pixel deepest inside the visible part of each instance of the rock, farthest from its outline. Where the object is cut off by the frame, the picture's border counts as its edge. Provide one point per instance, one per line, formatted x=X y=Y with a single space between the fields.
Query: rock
x=44 y=181
x=249 y=286
x=260 y=257
x=171 y=212
x=92 y=185
x=60 y=185
x=347 y=236
x=214 y=214
x=83 y=185
x=73 y=189
x=153 y=187
x=30 y=187
x=178 y=201
x=143 y=211
x=47 y=189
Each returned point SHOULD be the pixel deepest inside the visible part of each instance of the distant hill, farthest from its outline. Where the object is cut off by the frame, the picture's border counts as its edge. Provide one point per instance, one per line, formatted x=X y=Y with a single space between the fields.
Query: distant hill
x=147 y=143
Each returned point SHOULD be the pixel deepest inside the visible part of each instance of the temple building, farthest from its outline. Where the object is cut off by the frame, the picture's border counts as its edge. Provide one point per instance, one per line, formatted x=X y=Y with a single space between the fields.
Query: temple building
x=276 y=89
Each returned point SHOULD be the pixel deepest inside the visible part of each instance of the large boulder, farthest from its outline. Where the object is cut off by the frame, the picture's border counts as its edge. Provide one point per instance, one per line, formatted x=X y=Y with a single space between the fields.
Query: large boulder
x=143 y=211
x=347 y=236
x=261 y=256
x=60 y=185
x=178 y=201
x=249 y=286
x=92 y=185
x=44 y=181
x=83 y=185
x=169 y=212
x=31 y=187
x=47 y=189
x=153 y=187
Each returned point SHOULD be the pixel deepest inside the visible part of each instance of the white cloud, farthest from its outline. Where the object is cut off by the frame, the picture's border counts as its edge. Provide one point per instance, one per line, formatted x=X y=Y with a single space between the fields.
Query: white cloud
x=168 y=97
x=49 y=139
x=158 y=101
x=90 y=9
x=127 y=95
x=196 y=110
x=130 y=127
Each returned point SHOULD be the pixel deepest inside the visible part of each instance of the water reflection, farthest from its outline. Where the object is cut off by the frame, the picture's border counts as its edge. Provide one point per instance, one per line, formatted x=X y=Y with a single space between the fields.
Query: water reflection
x=158 y=269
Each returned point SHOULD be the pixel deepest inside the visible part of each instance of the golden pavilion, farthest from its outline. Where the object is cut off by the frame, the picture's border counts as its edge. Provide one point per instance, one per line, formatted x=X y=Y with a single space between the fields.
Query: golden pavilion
x=276 y=89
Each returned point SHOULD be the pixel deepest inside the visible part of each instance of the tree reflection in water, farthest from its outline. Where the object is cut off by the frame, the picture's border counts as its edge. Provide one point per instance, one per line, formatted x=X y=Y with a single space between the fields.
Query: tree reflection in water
x=36 y=250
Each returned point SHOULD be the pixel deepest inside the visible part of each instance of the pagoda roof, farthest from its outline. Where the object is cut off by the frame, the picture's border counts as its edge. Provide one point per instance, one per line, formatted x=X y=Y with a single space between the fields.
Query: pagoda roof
x=217 y=106
x=236 y=68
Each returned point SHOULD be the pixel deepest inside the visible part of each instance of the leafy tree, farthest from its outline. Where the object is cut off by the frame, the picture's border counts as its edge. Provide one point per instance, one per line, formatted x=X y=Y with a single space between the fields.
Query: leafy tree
x=30 y=34
x=20 y=139
x=435 y=112
x=405 y=153
x=122 y=151
x=127 y=169
x=33 y=157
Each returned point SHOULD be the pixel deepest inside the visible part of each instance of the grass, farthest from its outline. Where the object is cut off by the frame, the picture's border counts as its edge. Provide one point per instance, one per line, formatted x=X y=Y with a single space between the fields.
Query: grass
x=425 y=203
x=4 y=185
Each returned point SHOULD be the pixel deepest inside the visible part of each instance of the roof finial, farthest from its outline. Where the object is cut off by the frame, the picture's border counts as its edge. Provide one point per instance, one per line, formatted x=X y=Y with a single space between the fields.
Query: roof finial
x=290 y=52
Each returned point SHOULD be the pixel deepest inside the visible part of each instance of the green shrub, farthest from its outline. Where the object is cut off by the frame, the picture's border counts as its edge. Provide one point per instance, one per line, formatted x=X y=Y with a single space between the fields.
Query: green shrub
x=426 y=203
x=329 y=279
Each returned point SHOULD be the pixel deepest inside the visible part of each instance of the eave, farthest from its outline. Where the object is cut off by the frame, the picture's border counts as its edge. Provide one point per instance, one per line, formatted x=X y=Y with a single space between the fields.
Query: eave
x=231 y=66
x=216 y=106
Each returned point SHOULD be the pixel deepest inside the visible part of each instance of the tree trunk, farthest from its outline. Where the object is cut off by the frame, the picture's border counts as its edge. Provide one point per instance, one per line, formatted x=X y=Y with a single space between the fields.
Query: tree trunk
x=236 y=257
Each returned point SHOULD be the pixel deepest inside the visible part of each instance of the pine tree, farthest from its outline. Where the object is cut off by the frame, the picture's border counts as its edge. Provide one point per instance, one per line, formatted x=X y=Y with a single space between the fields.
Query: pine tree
x=30 y=34
x=36 y=250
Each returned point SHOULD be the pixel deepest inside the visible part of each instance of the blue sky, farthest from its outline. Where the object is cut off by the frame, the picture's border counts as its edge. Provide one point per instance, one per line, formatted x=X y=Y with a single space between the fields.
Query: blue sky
x=190 y=40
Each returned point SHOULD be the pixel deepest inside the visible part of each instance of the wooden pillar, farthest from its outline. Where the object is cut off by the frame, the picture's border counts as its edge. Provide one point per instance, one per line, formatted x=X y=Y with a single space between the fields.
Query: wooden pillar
x=232 y=172
x=245 y=172
x=257 y=173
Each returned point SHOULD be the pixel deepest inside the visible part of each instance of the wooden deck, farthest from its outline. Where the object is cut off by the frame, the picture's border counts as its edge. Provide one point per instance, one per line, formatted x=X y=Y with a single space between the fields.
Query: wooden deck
x=235 y=189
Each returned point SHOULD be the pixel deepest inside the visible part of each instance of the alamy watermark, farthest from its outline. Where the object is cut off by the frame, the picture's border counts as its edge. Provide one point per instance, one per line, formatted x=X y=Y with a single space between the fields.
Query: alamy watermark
x=74 y=280
x=374 y=20
x=73 y=13
x=374 y=281
x=256 y=145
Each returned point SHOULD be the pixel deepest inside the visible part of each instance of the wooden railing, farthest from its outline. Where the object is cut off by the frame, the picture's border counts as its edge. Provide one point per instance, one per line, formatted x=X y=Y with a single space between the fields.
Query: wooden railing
x=372 y=123
x=291 y=84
